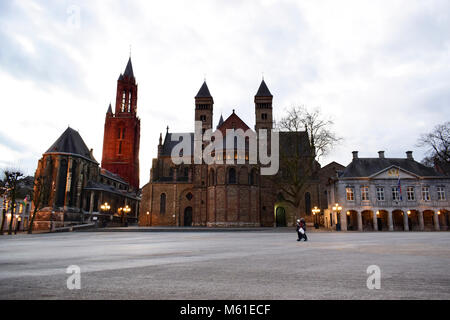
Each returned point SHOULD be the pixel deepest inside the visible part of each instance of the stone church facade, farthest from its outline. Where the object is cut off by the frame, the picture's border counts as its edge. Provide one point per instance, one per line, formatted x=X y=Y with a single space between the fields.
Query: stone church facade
x=75 y=187
x=222 y=195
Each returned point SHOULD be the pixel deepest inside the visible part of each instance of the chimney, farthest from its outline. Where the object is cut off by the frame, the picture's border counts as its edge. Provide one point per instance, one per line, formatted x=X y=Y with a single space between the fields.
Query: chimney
x=355 y=154
x=409 y=155
x=381 y=154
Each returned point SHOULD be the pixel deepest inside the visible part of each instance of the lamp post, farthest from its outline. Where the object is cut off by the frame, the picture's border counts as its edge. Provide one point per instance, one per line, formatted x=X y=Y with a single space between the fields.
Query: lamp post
x=337 y=208
x=126 y=210
x=316 y=212
x=120 y=211
x=105 y=208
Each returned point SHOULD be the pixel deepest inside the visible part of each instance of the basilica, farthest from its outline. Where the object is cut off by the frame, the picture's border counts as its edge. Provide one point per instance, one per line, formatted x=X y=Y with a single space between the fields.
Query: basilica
x=217 y=194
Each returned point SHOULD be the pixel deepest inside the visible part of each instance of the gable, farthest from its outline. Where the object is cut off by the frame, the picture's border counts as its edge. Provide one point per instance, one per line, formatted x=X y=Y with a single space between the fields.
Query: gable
x=393 y=173
x=233 y=122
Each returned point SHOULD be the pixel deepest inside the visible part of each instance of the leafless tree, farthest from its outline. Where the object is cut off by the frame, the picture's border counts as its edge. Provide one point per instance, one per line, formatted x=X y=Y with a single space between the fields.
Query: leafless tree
x=41 y=193
x=299 y=165
x=437 y=144
x=12 y=177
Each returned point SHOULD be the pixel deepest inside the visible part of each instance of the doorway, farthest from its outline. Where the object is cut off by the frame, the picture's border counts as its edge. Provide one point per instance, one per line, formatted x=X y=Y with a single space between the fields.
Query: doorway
x=188 y=217
x=281 y=217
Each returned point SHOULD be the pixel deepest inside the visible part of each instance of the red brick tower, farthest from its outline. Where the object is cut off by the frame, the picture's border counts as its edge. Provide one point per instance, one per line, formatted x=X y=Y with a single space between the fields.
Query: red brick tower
x=122 y=131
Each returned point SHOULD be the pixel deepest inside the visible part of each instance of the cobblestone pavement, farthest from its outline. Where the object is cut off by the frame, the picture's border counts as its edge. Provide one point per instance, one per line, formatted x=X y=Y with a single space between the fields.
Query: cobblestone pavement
x=225 y=265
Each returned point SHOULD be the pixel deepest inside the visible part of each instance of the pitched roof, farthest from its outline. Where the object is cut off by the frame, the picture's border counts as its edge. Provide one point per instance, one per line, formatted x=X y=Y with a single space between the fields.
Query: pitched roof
x=263 y=91
x=109 y=109
x=168 y=144
x=129 y=70
x=70 y=142
x=288 y=140
x=232 y=122
x=366 y=167
x=220 y=122
x=204 y=91
x=93 y=185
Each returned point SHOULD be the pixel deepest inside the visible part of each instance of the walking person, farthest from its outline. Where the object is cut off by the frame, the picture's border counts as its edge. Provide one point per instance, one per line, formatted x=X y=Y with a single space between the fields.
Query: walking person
x=302 y=230
x=298 y=230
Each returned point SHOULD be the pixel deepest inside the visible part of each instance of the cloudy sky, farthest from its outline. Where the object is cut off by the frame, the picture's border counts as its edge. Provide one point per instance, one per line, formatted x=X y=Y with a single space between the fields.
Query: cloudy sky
x=380 y=69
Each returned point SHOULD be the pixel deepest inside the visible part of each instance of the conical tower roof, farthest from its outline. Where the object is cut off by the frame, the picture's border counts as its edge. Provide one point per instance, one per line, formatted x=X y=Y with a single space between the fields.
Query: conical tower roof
x=129 y=69
x=263 y=91
x=220 y=121
x=204 y=91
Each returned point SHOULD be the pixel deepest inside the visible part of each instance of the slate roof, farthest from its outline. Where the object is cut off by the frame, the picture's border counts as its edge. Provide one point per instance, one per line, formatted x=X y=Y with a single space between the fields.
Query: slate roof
x=109 y=109
x=168 y=144
x=204 y=91
x=70 y=142
x=92 y=185
x=289 y=139
x=263 y=91
x=233 y=122
x=111 y=175
x=366 y=167
x=129 y=69
x=220 y=122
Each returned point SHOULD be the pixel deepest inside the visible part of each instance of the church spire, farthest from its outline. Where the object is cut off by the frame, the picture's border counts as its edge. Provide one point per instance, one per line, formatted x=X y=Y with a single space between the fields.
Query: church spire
x=220 y=122
x=129 y=69
x=204 y=91
x=263 y=91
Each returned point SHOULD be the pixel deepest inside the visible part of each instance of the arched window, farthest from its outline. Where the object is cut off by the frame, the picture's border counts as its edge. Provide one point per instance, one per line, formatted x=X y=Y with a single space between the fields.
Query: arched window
x=252 y=178
x=162 y=203
x=124 y=98
x=129 y=102
x=232 y=175
x=308 y=203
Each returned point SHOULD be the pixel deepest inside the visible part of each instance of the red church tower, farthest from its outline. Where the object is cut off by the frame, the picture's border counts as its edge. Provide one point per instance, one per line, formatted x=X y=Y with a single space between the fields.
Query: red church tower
x=122 y=131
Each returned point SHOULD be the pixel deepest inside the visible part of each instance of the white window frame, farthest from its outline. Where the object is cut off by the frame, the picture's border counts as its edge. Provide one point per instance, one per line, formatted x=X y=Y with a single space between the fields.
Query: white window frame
x=441 y=193
x=380 y=194
x=426 y=193
x=352 y=193
x=395 y=193
x=365 y=193
x=410 y=193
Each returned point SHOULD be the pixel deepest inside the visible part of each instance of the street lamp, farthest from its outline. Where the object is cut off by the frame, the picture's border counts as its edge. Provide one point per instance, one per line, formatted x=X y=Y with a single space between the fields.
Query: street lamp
x=337 y=208
x=105 y=207
x=124 y=211
x=315 y=212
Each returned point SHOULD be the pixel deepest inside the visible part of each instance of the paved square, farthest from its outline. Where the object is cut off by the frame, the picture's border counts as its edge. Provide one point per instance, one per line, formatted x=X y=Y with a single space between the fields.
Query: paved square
x=225 y=265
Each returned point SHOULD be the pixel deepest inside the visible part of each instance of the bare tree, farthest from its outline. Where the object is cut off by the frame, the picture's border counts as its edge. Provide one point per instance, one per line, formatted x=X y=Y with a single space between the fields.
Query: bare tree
x=41 y=193
x=12 y=180
x=4 y=193
x=437 y=144
x=318 y=127
x=298 y=164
